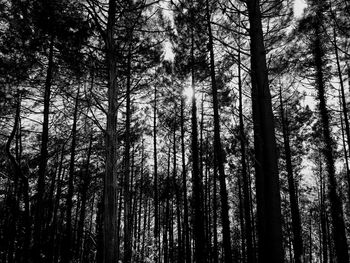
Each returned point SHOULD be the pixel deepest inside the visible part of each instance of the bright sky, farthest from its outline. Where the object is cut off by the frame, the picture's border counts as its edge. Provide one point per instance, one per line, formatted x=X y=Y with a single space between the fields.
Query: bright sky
x=299 y=6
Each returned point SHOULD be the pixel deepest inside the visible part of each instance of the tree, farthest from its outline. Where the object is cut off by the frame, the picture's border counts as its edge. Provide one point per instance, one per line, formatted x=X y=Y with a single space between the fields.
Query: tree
x=266 y=170
x=110 y=181
x=313 y=22
x=218 y=156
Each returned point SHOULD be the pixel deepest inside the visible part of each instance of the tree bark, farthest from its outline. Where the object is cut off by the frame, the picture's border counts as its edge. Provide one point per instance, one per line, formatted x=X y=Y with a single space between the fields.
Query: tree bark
x=19 y=178
x=128 y=217
x=344 y=110
x=323 y=215
x=38 y=221
x=266 y=169
x=110 y=181
x=339 y=235
x=219 y=154
x=215 y=217
x=198 y=222
x=294 y=207
x=187 y=245
x=67 y=254
x=155 y=176
x=84 y=192
x=245 y=180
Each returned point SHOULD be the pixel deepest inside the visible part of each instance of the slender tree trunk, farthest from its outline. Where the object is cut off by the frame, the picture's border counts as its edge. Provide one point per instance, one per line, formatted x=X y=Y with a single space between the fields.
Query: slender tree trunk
x=155 y=176
x=177 y=193
x=348 y=70
x=21 y=186
x=219 y=158
x=296 y=223
x=84 y=192
x=241 y=222
x=54 y=238
x=110 y=181
x=187 y=247
x=119 y=213
x=38 y=221
x=339 y=235
x=14 y=196
x=246 y=192
x=171 y=231
x=266 y=169
x=128 y=218
x=208 y=211
x=310 y=237
x=166 y=224
x=198 y=222
x=99 y=233
x=144 y=228
x=187 y=244
x=345 y=155
x=344 y=109
x=323 y=215
x=215 y=218
x=141 y=196
x=67 y=254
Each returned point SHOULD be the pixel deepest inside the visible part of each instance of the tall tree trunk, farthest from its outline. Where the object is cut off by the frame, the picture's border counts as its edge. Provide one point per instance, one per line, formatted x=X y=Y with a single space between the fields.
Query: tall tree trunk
x=323 y=215
x=67 y=253
x=245 y=180
x=339 y=236
x=38 y=221
x=141 y=197
x=13 y=197
x=144 y=228
x=345 y=154
x=198 y=222
x=54 y=237
x=208 y=211
x=187 y=244
x=219 y=154
x=21 y=186
x=215 y=218
x=294 y=207
x=128 y=218
x=84 y=192
x=310 y=237
x=344 y=109
x=155 y=177
x=110 y=181
x=266 y=169
x=177 y=193
x=99 y=233
x=166 y=224
x=241 y=221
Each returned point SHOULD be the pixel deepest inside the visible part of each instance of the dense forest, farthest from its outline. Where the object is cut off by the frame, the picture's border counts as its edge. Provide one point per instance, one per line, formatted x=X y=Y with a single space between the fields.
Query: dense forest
x=168 y=131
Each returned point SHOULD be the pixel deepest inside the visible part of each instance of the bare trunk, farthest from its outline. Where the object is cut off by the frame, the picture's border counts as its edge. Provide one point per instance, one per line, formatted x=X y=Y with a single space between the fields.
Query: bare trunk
x=266 y=169
x=245 y=180
x=344 y=109
x=198 y=222
x=128 y=217
x=84 y=192
x=38 y=222
x=187 y=245
x=296 y=224
x=340 y=242
x=155 y=175
x=67 y=254
x=219 y=154
x=110 y=182
x=323 y=215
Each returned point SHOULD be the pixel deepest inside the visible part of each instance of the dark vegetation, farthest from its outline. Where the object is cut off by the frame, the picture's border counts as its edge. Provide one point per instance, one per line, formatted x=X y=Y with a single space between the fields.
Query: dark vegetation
x=174 y=131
